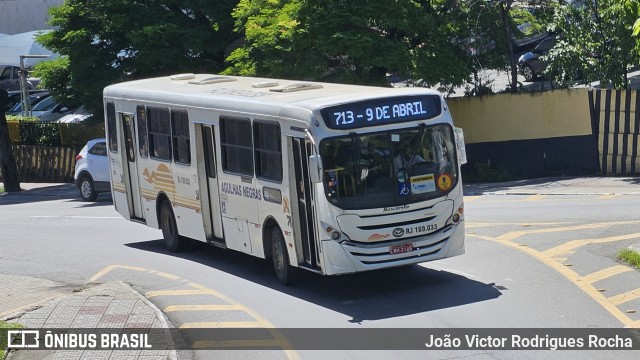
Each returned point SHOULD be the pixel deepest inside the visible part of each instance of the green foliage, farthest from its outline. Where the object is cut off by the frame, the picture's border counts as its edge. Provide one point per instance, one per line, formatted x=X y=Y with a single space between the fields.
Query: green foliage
x=630 y=257
x=107 y=41
x=595 y=44
x=29 y=132
x=5 y=325
x=56 y=75
x=348 y=41
x=485 y=173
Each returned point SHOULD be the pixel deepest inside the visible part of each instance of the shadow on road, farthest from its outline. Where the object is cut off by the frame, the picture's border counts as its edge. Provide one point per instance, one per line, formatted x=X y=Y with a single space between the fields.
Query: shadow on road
x=633 y=181
x=366 y=296
x=51 y=193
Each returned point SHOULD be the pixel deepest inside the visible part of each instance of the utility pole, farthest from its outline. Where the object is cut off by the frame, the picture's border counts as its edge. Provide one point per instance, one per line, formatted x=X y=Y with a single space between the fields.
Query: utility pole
x=24 y=88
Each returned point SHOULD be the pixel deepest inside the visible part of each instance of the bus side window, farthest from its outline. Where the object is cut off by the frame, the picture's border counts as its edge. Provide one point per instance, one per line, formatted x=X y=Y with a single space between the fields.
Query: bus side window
x=159 y=133
x=111 y=127
x=143 y=136
x=181 y=142
x=268 y=150
x=236 y=145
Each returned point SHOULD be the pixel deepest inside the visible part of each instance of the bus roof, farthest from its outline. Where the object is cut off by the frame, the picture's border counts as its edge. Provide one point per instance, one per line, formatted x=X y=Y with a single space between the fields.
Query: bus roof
x=239 y=93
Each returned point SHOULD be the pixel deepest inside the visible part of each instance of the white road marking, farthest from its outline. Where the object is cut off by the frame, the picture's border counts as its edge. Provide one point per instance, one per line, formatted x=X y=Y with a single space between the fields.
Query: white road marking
x=75 y=217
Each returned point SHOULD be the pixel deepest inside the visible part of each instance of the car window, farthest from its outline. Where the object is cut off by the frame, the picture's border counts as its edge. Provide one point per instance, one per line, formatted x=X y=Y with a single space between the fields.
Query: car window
x=45 y=105
x=99 y=148
x=546 y=44
x=5 y=74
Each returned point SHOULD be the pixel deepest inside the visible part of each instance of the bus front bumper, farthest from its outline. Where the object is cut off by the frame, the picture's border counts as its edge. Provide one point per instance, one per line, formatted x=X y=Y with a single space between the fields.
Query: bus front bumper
x=346 y=257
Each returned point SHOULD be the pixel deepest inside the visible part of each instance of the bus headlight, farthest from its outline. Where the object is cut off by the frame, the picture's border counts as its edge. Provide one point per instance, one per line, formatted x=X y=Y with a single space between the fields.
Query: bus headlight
x=457 y=216
x=332 y=232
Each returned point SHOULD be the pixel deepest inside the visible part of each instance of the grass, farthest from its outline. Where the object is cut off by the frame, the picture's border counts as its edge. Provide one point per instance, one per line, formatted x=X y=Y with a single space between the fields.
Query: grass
x=4 y=326
x=1 y=189
x=629 y=256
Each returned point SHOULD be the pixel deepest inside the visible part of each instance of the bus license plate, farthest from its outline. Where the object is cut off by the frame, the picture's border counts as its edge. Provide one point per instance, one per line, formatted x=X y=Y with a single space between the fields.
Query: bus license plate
x=399 y=249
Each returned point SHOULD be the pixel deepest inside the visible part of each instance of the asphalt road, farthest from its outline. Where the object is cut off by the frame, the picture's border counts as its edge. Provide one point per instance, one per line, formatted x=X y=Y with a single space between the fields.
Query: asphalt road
x=532 y=262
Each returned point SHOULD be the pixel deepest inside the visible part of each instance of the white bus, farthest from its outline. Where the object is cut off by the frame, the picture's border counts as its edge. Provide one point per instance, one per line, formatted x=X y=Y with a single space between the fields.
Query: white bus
x=326 y=177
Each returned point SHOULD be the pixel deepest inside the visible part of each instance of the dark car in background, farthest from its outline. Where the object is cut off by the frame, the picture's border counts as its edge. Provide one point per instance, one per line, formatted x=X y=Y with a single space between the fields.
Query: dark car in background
x=530 y=64
x=48 y=109
x=10 y=78
x=15 y=100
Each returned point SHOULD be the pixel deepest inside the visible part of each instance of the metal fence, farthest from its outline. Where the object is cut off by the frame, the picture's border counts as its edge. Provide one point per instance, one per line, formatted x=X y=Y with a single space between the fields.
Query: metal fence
x=615 y=120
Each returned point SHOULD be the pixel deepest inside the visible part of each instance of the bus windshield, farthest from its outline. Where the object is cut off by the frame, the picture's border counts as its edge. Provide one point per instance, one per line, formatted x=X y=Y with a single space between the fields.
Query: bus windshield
x=391 y=168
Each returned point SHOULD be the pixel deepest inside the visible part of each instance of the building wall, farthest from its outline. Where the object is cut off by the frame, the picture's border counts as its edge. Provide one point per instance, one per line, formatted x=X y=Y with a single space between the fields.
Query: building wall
x=18 y=16
x=527 y=135
x=522 y=116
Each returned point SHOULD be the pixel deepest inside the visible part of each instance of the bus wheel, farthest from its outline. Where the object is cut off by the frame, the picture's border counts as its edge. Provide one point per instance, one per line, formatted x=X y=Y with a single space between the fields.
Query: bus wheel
x=280 y=258
x=169 y=228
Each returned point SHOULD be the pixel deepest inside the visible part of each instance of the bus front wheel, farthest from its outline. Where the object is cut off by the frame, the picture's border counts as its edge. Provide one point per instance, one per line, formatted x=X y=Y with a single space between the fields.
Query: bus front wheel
x=285 y=272
x=169 y=228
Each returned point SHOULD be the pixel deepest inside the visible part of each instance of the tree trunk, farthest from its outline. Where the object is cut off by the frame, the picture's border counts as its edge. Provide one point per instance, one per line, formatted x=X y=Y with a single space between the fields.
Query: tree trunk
x=8 y=167
x=504 y=13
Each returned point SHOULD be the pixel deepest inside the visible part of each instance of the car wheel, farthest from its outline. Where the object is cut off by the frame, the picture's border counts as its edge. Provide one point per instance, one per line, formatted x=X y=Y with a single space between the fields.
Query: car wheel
x=87 y=190
x=169 y=228
x=286 y=273
x=528 y=73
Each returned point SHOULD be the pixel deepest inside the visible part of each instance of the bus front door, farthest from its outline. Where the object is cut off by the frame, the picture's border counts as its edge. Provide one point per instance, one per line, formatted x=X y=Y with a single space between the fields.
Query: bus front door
x=303 y=206
x=209 y=190
x=132 y=185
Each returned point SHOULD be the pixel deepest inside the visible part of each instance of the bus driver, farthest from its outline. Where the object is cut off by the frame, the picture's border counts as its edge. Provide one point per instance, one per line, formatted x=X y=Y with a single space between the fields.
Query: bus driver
x=404 y=160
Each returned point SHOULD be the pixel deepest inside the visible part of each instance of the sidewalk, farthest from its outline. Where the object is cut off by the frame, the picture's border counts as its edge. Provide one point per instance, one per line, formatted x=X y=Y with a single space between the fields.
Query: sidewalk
x=559 y=186
x=44 y=304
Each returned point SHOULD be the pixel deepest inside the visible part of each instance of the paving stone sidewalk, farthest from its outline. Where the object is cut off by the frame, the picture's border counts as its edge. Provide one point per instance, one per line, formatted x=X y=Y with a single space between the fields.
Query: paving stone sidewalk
x=113 y=305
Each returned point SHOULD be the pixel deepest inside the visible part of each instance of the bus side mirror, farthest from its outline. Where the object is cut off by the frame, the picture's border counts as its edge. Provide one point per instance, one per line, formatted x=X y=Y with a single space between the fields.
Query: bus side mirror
x=315 y=169
x=462 y=153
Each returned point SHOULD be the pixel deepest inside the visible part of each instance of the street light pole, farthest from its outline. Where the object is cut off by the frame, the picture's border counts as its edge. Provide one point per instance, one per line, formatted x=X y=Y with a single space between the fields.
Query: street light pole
x=24 y=89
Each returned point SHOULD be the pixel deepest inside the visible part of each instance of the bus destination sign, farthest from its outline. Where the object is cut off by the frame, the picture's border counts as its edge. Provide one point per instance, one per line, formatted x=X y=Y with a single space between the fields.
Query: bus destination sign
x=381 y=111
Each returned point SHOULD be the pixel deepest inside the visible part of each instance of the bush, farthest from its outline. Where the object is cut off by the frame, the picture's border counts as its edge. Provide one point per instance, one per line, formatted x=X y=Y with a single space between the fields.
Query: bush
x=27 y=132
x=485 y=173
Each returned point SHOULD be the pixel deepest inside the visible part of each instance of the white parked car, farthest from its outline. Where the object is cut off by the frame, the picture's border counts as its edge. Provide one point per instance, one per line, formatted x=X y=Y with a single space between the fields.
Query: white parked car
x=92 y=170
x=77 y=116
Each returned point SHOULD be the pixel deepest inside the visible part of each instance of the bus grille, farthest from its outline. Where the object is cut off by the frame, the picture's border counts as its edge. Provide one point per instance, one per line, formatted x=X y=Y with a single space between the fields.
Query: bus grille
x=379 y=253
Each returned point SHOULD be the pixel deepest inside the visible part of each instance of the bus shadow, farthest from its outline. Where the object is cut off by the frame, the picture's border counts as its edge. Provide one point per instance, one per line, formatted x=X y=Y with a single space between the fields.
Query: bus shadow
x=373 y=295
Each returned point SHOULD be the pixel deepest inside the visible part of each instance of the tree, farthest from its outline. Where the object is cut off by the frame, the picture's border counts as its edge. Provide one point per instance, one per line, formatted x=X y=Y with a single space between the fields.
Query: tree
x=107 y=41
x=514 y=22
x=350 y=41
x=8 y=167
x=595 y=42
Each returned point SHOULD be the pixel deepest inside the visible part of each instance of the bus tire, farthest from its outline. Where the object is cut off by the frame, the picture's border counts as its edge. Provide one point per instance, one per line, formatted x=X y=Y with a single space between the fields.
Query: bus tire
x=169 y=228
x=284 y=271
